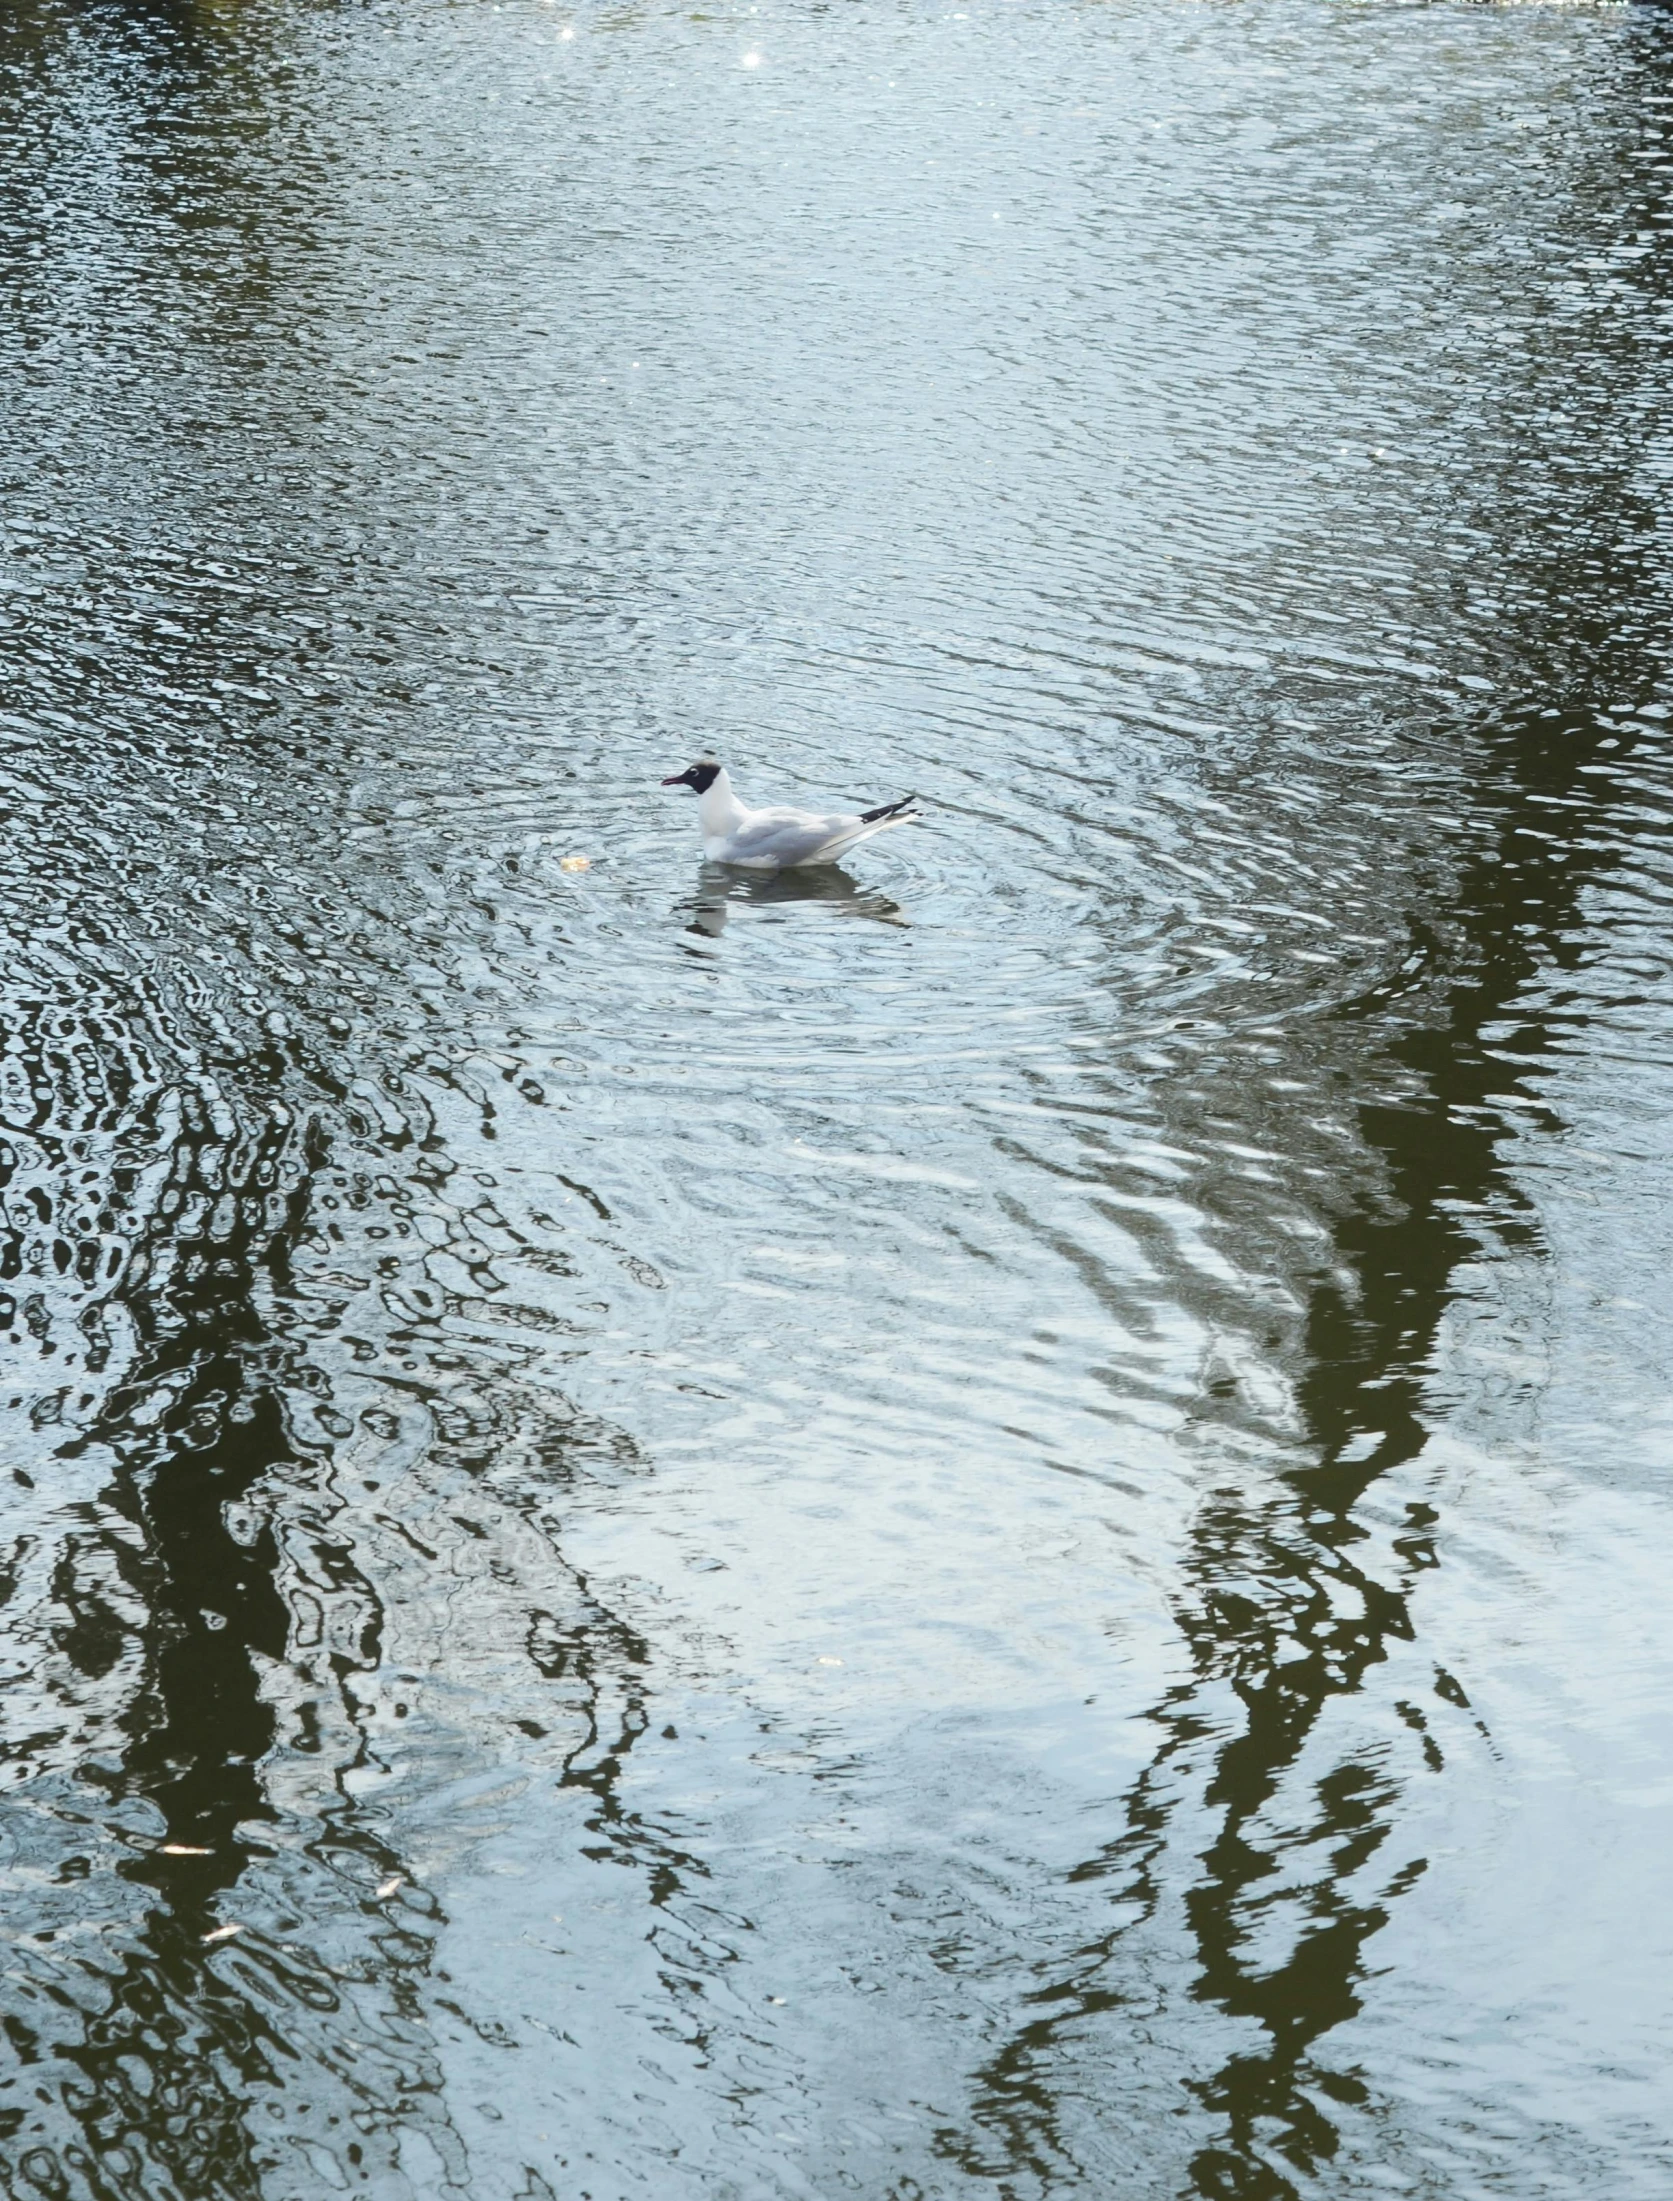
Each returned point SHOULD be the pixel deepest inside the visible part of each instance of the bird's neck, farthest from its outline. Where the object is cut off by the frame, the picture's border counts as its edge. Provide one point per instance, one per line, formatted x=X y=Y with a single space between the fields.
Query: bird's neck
x=718 y=809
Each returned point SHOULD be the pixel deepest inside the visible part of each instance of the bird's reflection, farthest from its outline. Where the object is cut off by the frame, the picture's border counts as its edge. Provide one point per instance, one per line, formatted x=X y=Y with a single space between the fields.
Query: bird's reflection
x=721 y=886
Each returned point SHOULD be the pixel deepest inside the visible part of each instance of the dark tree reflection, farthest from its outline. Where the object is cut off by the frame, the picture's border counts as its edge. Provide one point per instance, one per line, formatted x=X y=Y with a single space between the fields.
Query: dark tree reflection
x=1291 y=1603
x=1252 y=1823
x=265 y=1980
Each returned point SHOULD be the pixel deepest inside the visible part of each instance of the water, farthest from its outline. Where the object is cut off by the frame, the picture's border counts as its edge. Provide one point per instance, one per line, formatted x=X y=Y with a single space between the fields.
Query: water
x=992 y=1525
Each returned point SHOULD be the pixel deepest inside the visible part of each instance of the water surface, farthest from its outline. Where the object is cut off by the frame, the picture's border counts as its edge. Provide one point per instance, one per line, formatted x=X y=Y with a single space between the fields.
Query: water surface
x=992 y=1524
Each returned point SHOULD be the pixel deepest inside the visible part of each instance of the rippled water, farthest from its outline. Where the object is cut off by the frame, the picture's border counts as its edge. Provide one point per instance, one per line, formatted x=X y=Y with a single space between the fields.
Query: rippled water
x=993 y=1524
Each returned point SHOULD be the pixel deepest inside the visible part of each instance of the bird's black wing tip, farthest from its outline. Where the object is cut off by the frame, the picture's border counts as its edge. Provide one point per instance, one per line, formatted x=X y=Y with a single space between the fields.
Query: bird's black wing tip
x=887 y=810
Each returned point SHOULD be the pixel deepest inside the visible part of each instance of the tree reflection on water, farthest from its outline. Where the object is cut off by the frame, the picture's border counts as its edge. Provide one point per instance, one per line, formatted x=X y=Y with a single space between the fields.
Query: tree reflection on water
x=1256 y=1825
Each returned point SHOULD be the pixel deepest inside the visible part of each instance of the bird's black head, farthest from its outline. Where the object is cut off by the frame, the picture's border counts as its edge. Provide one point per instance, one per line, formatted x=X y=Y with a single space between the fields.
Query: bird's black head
x=697 y=777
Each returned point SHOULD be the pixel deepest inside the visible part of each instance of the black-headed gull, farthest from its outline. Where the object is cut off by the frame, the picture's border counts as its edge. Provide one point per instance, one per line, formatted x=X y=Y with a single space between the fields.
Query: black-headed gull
x=777 y=839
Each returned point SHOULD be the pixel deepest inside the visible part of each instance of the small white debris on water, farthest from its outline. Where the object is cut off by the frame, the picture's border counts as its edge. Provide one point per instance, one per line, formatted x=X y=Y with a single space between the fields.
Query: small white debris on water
x=222 y=1933
x=389 y=1887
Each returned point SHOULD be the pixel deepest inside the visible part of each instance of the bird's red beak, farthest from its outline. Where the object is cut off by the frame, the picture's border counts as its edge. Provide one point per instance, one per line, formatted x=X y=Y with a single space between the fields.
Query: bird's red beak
x=676 y=779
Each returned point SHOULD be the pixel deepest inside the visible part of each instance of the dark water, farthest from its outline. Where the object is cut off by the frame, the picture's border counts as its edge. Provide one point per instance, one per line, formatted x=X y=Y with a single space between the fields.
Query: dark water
x=995 y=1525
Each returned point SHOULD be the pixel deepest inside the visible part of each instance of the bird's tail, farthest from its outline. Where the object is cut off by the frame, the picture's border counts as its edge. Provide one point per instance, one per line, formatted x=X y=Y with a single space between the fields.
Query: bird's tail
x=865 y=825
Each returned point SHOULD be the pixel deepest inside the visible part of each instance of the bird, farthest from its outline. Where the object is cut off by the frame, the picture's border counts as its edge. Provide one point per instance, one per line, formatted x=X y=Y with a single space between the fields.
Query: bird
x=778 y=839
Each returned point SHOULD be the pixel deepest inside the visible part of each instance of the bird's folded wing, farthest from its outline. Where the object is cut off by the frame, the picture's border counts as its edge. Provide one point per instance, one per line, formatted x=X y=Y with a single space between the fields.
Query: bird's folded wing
x=784 y=837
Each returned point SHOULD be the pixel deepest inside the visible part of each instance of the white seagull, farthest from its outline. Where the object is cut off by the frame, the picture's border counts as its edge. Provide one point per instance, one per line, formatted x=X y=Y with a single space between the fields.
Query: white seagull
x=777 y=839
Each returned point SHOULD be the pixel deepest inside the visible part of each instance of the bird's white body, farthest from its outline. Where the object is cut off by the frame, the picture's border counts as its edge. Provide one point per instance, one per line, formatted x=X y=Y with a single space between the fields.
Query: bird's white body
x=781 y=839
